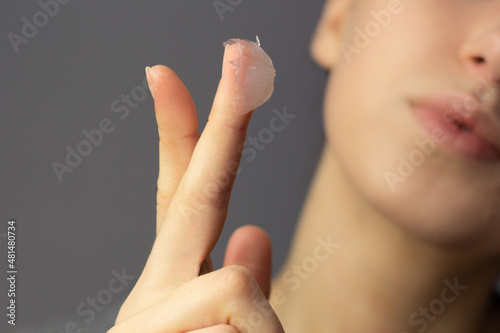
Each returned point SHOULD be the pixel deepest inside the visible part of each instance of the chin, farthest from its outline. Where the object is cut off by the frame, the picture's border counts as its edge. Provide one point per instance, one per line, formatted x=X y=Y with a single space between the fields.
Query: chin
x=439 y=203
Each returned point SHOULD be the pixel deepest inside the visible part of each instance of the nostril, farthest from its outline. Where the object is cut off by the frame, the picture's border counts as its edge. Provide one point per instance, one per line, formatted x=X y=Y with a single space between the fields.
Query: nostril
x=478 y=60
x=484 y=69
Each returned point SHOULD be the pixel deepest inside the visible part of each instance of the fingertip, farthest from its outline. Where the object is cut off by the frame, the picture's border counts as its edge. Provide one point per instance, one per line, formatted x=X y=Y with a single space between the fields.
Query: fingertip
x=174 y=106
x=161 y=70
x=156 y=75
x=247 y=76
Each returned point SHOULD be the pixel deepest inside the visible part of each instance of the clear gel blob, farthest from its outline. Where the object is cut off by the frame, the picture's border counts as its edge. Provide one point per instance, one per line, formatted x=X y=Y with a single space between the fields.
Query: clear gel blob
x=253 y=76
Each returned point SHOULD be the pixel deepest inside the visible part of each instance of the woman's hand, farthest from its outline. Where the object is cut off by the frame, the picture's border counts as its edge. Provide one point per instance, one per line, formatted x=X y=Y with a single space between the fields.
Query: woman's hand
x=178 y=291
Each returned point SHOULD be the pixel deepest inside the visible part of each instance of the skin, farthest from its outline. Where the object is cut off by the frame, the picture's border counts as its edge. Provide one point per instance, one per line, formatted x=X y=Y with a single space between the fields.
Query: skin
x=394 y=255
x=194 y=186
x=395 y=248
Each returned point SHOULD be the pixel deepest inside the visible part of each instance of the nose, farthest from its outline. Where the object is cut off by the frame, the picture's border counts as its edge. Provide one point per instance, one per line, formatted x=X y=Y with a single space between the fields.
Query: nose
x=481 y=55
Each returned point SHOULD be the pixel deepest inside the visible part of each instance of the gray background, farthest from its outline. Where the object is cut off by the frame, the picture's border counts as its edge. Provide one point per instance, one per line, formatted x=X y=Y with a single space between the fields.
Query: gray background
x=72 y=234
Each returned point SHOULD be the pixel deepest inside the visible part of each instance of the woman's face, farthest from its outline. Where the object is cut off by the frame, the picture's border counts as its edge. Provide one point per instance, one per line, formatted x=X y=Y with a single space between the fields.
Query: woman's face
x=405 y=70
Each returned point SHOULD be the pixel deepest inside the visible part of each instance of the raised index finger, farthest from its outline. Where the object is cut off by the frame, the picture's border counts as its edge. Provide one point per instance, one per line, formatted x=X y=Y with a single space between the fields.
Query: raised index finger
x=198 y=210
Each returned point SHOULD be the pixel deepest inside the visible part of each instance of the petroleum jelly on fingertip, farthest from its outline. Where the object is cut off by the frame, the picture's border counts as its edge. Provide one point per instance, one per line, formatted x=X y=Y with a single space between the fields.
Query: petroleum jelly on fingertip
x=254 y=75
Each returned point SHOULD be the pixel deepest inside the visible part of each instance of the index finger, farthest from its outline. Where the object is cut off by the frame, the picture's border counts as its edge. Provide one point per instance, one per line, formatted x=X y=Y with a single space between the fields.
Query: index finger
x=198 y=210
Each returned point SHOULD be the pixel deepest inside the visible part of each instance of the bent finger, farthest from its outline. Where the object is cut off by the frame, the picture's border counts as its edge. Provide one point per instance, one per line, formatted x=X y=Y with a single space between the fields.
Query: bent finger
x=229 y=296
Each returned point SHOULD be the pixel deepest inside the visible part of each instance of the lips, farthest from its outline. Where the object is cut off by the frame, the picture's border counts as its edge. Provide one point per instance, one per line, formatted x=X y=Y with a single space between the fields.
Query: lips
x=461 y=125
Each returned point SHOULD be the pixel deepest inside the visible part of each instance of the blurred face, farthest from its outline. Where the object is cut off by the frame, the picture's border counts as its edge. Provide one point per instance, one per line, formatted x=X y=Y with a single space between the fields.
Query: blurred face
x=413 y=119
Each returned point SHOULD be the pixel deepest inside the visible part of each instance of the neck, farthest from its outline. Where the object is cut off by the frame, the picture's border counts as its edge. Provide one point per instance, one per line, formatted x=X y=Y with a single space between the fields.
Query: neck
x=352 y=270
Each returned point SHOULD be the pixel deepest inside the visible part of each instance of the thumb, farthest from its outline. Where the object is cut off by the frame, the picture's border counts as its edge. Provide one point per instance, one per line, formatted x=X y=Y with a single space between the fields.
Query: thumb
x=250 y=246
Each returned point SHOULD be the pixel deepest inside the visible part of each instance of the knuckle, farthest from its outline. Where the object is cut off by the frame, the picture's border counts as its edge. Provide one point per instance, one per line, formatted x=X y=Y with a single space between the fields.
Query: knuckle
x=165 y=138
x=215 y=193
x=188 y=210
x=170 y=140
x=207 y=192
x=231 y=124
x=163 y=198
x=239 y=281
x=192 y=136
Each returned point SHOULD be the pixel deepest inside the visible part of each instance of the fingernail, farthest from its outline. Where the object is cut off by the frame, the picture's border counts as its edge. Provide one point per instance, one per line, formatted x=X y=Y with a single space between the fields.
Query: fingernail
x=151 y=81
x=224 y=59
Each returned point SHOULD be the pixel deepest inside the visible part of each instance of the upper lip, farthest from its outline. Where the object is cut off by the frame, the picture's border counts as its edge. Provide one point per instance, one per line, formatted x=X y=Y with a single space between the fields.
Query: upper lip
x=465 y=110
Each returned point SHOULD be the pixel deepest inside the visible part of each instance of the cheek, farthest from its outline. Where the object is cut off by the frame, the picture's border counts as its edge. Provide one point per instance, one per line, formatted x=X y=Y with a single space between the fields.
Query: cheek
x=367 y=116
x=366 y=128
x=367 y=87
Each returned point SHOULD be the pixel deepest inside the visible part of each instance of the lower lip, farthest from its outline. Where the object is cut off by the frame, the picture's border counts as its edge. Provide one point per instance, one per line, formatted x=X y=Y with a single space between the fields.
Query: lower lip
x=465 y=143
